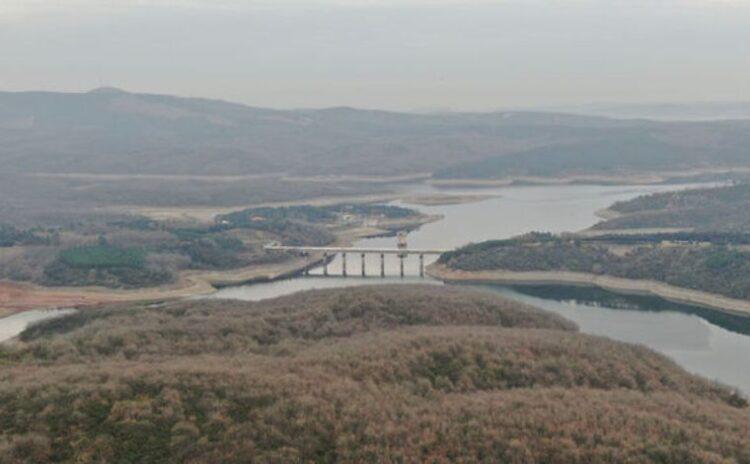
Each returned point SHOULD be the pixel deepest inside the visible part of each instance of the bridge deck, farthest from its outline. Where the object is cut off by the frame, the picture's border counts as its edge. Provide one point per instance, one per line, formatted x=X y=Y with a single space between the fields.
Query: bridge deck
x=394 y=251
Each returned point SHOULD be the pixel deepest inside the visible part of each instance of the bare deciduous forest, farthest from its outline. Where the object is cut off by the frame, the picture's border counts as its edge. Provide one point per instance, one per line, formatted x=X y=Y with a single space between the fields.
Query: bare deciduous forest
x=372 y=374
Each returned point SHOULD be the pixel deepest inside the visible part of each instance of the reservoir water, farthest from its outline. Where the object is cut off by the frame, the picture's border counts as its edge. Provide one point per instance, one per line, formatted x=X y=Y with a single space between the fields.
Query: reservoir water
x=704 y=342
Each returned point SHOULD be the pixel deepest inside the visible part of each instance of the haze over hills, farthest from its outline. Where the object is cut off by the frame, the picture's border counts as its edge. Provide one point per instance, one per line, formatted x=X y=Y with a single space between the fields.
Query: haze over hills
x=698 y=111
x=112 y=131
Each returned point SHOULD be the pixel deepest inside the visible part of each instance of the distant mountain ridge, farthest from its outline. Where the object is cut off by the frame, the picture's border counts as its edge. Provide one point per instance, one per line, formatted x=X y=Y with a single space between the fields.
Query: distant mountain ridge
x=696 y=111
x=110 y=130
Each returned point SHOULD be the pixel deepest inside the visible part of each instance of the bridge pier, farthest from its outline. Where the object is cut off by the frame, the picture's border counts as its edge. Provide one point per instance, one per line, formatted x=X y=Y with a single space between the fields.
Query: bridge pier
x=329 y=254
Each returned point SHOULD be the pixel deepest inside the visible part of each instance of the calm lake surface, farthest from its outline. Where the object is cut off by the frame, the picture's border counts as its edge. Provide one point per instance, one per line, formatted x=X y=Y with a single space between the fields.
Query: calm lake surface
x=706 y=342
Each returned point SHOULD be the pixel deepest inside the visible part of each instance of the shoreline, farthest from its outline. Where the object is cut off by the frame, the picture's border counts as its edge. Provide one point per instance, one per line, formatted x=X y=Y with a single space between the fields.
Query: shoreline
x=607 y=213
x=207 y=214
x=591 y=232
x=17 y=297
x=445 y=199
x=662 y=177
x=620 y=285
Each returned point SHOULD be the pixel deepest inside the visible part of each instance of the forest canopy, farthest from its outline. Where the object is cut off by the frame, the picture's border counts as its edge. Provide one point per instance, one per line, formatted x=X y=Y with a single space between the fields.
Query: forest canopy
x=368 y=374
x=713 y=268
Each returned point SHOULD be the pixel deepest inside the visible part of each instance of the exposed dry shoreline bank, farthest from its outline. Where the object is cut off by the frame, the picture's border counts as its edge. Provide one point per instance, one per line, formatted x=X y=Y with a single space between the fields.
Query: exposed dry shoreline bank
x=615 y=284
x=440 y=199
x=208 y=214
x=599 y=179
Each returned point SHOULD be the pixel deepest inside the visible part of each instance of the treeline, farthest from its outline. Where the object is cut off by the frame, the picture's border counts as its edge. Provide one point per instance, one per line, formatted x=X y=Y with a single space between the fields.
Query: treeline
x=719 y=209
x=622 y=151
x=720 y=218
x=716 y=238
x=142 y=260
x=366 y=375
x=153 y=257
x=475 y=250
x=736 y=195
x=12 y=236
x=711 y=268
x=130 y=252
x=312 y=214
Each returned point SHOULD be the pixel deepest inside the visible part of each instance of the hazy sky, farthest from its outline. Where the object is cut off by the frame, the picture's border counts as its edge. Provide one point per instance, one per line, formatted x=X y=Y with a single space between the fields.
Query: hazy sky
x=408 y=54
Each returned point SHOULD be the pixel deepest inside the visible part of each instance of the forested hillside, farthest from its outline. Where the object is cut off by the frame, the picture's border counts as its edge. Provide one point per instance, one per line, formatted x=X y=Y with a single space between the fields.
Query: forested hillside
x=368 y=374
x=720 y=269
x=645 y=149
x=720 y=209
x=615 y=151
x=134 y=252
x=69 y=156
x=112 y=131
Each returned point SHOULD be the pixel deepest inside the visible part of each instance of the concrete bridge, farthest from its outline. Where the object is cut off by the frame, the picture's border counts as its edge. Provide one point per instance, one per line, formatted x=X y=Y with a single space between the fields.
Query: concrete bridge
x=329 y=252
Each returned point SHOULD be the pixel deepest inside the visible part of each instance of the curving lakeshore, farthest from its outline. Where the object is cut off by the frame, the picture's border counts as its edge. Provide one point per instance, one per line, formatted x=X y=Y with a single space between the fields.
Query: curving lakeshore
x=705 y=342
x=605 y=282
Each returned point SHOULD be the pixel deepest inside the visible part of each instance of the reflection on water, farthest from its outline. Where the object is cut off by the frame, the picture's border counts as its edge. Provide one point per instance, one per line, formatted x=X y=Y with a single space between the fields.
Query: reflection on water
x=713 y=346
x=593 y=296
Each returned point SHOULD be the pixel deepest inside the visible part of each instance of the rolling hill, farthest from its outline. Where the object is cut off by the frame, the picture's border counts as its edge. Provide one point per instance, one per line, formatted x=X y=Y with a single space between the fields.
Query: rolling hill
x=369 y=374
x=67 y=156
x=110 y=131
